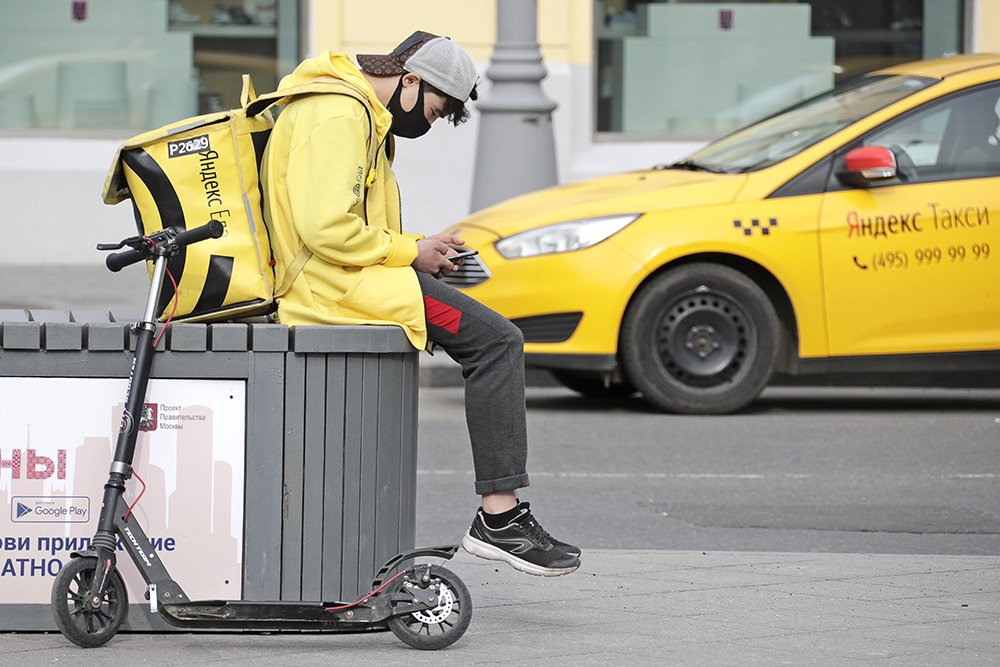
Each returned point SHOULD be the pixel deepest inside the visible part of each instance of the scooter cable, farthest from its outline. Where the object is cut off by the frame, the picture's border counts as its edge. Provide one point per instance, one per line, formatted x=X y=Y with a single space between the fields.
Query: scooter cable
x=172 y=312
x=367 y=597
x=132 y=506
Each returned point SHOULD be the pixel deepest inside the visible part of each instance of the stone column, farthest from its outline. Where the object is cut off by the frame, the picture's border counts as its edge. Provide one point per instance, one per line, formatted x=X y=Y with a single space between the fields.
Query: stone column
x=516 y=149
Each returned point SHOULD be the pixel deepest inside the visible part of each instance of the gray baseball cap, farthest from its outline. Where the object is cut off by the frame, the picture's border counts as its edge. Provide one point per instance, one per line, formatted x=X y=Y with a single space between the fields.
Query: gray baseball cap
x=437 y=60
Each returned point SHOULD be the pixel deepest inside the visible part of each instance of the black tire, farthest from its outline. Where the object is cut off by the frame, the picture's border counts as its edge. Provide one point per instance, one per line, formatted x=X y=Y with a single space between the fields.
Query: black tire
x=78 y=621
x=439 y=627
x=593 y=386
x=700 y=339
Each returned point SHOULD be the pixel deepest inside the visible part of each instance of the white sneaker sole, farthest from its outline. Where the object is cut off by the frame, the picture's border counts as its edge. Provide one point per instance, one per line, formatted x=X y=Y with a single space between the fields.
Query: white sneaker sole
x=489 y=552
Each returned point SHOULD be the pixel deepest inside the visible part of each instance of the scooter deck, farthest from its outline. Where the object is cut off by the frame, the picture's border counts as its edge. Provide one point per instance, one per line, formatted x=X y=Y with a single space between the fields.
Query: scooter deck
x=298 y=615
x=332 y=616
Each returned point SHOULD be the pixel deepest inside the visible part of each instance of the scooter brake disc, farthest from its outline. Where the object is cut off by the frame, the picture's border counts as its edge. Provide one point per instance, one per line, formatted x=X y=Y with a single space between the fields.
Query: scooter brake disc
x=446 y=601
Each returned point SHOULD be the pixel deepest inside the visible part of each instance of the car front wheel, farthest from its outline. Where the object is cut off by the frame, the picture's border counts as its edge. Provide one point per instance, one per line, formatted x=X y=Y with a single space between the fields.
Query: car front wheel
x=700 y=339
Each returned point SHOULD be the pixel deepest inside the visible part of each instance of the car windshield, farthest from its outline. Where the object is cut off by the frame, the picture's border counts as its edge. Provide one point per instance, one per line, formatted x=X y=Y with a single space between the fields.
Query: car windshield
x=794 y=129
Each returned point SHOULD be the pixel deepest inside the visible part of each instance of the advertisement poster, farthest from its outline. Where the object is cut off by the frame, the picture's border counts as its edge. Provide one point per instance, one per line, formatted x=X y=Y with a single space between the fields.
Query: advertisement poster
x=57 y=438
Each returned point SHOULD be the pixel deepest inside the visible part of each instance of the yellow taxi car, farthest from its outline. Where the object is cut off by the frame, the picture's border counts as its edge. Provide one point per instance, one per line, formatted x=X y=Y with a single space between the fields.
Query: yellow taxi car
x=857 y=231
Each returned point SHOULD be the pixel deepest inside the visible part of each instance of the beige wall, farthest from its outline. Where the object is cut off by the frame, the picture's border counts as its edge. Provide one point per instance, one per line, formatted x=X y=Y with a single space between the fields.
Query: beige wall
x=376 y=26
x=988 y=27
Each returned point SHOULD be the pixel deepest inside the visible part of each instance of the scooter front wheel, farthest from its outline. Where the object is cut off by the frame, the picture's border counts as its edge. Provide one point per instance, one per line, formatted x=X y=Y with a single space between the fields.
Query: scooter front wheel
x=441 y=626
x=85 y=622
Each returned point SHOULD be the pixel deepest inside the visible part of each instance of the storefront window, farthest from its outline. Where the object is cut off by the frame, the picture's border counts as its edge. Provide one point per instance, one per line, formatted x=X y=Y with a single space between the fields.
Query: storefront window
x=137 y=64
x=698 y=70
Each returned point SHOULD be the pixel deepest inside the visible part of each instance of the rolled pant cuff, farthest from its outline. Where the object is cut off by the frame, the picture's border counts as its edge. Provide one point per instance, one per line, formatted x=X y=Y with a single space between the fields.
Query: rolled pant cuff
x=503 y=484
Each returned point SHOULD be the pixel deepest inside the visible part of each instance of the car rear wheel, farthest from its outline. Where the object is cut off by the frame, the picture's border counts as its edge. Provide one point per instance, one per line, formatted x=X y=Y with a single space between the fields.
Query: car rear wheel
x=700 y=339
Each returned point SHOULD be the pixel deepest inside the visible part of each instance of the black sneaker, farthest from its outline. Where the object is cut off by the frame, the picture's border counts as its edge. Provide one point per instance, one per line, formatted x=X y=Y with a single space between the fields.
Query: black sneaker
x=523 y=544
x=565 y=547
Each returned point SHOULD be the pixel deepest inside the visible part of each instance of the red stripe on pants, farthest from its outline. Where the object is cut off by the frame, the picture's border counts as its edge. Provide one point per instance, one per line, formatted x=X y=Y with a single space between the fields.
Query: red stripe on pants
x=441 y=314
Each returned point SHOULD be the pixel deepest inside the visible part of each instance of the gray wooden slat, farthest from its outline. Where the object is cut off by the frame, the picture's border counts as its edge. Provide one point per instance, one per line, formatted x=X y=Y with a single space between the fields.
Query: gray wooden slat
x=182 y=337
x=62 y=336
x=312 y=518
x=269 y=337
x=390 y=438
x=339 y=533
x=354 y=444
x=229 y=337
x=105 y=336
x=262 y=506
x=342 y=339
x=292 y=476
x=369 y=462
x=84 y=363
x=20 y=335
x=408 y=459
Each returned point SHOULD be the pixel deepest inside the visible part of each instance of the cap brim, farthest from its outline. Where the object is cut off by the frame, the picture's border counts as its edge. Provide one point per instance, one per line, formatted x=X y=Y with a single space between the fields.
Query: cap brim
x=380 y=65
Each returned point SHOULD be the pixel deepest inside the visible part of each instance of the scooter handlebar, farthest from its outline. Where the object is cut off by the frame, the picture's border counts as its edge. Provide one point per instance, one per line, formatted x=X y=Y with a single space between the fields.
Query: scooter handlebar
x=117 y=261
x=211 y=230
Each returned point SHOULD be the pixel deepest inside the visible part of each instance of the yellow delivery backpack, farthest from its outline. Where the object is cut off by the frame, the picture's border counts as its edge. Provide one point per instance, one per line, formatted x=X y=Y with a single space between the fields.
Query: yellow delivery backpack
x=207 y=167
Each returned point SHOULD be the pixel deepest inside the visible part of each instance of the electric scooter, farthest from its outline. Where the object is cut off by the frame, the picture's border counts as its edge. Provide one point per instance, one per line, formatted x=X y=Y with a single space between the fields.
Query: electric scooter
x=425 y=605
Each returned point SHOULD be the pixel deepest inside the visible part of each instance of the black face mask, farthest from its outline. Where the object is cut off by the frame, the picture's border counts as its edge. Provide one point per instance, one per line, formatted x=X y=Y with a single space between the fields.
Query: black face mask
x=409 y=124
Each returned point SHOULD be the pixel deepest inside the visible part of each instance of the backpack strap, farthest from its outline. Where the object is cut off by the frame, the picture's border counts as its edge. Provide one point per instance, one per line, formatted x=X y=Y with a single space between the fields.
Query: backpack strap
x=324 y=84
x=292 y=271
x=327 y=84
x=253 y=106
x=248 y=93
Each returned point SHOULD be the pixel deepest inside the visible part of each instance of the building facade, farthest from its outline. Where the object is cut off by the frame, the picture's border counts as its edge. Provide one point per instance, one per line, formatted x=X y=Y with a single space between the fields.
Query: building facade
x=635 y=83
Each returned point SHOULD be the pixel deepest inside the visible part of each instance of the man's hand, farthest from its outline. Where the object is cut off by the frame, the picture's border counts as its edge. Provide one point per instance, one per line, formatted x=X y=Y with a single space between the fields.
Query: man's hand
x=433 y=252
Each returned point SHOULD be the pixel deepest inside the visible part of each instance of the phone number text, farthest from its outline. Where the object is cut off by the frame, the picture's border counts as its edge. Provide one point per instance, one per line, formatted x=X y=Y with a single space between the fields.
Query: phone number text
x=932 y=256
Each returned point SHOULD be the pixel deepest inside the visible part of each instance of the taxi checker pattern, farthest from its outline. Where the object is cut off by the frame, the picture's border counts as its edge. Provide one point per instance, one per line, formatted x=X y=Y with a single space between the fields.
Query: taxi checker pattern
x=755 y=224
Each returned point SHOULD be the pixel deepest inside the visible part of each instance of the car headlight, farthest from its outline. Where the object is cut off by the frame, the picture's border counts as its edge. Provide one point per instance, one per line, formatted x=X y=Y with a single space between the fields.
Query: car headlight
x=563 y=237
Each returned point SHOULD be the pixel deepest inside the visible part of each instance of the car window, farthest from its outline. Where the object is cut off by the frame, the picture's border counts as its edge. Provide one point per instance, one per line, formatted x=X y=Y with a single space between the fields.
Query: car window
x=790 y=131
x=919 y=137
x=956 y=138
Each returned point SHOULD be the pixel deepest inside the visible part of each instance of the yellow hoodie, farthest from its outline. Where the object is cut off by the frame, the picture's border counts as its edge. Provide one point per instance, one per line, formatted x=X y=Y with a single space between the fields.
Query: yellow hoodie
x=314 y=176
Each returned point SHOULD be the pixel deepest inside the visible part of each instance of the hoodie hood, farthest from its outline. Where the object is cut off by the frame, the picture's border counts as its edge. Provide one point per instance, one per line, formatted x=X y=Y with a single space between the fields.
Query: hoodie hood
x=339 y=66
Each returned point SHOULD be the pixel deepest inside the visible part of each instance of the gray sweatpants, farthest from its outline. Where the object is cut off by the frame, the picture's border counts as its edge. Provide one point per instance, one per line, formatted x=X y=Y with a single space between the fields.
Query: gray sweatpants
x=490 y=351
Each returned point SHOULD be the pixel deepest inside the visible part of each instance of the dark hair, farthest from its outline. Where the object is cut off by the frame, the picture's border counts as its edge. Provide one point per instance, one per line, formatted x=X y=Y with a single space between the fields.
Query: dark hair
x=454 y=109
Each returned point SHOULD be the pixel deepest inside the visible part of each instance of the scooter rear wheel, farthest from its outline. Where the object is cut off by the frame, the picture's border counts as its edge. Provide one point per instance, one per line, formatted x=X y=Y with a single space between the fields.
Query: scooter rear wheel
x=441 y=626
x=81 y=622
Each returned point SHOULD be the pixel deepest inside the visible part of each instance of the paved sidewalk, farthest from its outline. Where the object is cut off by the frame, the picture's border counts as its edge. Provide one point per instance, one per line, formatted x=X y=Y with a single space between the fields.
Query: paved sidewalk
x=646 y=608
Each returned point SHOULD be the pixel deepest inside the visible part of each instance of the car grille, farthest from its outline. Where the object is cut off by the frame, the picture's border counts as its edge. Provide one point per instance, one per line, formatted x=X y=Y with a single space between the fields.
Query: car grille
x=471 y=272
x=554 y=328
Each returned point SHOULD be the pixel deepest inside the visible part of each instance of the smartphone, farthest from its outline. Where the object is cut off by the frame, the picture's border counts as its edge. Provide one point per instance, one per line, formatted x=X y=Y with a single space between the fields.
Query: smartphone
x=462 y=254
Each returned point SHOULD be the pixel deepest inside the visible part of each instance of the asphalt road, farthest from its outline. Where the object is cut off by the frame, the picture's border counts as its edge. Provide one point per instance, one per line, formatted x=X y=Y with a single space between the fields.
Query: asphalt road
x=912 y=471
x=837 y=470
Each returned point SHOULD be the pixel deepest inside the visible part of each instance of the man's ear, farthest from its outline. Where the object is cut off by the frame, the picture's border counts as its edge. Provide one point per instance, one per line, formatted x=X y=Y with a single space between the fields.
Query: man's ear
x=410 y=79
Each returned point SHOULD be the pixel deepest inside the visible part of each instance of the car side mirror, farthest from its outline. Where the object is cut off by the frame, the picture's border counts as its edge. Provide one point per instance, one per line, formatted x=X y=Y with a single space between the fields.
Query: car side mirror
x=868 y=164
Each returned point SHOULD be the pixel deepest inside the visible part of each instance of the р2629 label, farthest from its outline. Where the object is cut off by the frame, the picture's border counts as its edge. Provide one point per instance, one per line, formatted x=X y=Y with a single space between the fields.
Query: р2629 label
x=188 y=146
